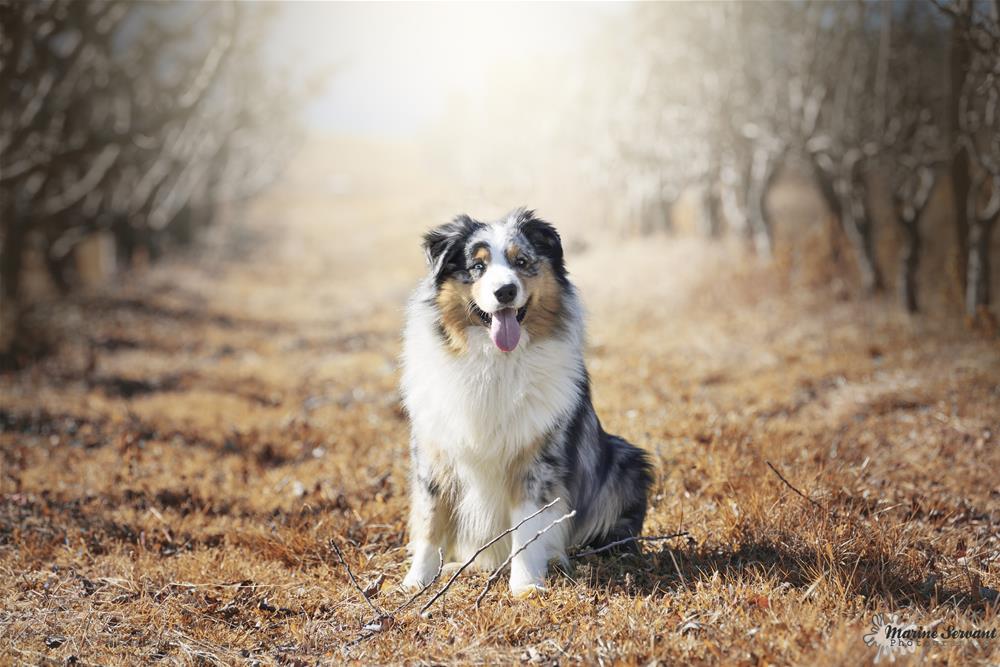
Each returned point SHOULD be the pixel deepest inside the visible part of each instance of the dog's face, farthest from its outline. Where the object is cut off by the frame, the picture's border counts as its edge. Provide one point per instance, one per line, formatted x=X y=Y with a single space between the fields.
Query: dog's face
x=499 y=277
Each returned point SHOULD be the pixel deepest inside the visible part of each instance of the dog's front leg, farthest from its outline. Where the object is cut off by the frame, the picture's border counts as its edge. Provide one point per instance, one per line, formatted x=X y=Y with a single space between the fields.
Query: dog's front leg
x=530 y=565
x=430 y=515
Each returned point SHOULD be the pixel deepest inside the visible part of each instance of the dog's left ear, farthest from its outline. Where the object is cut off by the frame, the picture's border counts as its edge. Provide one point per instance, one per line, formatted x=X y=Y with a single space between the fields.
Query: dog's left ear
x=544 y=238
x=442 y=246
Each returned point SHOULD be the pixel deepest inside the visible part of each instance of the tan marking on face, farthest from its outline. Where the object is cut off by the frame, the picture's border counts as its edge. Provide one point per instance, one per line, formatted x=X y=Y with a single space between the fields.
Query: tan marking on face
x=545 y=306
x=513 y=250
x=453 y=304
x=481 y=255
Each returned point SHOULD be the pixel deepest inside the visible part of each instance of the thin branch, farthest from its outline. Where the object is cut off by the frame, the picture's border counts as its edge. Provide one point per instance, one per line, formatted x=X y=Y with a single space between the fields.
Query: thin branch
x=637 y=538
x=496 y=573
x=376 y=626
x=423 y=590
x=481 y=550
x=789 y=485
x=90 y=181
x=354 y=581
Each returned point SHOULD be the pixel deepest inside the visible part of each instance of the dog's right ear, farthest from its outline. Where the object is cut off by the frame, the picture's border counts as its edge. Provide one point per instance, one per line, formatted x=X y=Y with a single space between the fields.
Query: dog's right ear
x=443 y=246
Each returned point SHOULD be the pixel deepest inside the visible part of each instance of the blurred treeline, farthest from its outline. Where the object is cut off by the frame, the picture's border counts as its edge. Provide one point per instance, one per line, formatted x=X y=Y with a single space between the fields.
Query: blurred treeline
x=880 y=106
x=131 y=126
x=896 y=100
x=125 y=128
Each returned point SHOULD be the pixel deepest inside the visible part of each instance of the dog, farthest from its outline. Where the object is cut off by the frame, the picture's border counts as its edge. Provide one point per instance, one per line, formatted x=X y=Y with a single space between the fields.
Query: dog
x=498 y=396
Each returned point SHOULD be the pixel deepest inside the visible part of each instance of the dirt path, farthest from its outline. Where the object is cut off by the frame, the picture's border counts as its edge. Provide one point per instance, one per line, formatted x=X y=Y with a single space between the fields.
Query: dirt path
x=172 y=477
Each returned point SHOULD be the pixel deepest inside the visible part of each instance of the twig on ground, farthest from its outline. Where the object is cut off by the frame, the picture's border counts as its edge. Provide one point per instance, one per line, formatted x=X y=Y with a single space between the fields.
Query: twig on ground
x=354 y=581
x=480 y=550
x=496 y=573
x=424 y=589
x=789 y=485
x=638 y=538
x=384 y=620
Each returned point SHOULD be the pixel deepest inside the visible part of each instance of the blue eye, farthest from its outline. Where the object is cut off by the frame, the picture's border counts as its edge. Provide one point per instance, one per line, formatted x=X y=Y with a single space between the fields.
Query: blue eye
x=478 y=266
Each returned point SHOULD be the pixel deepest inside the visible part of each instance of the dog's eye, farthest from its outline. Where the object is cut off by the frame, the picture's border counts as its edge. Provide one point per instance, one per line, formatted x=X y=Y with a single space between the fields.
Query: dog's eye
x=520 y=262
x=478 y=266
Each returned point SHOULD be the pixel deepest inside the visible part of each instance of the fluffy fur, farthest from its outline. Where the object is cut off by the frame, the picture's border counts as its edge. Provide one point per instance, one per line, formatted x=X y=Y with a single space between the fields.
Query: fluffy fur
x=497 y=435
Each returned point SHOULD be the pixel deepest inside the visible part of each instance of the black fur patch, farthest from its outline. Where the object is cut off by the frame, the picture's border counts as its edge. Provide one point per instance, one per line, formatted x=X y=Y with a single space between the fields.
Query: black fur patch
x=445 y=246
x=545 y=241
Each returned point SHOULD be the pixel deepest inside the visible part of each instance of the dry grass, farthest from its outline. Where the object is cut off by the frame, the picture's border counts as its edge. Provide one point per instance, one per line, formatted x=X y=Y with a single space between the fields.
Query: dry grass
x=173 y=476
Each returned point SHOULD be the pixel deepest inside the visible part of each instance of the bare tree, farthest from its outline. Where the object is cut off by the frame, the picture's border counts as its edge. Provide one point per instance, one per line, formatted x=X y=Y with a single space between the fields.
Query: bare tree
x=912 y=149
x=981 y=136
x=723 y=96
x=848 y=131
x=975 y=126
x=135 y=119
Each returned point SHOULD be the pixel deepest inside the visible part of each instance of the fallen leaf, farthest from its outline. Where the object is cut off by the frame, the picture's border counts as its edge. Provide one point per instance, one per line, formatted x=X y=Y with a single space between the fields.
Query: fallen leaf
x=372 y=589
x=380 y=624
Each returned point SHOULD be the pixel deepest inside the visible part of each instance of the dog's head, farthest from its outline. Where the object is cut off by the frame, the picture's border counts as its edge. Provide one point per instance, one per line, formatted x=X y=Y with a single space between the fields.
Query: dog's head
x=500 y=276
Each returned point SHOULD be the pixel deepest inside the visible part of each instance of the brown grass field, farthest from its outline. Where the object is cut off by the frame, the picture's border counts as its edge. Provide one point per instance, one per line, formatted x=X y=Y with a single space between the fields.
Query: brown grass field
x=174 y=474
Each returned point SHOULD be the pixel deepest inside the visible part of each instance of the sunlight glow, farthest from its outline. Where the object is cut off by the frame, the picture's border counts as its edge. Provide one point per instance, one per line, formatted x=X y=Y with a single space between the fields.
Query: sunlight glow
x=396 y=66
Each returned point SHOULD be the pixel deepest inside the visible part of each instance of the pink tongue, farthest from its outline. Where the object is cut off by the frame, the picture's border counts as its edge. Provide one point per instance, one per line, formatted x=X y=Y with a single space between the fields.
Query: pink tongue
x=505 y=330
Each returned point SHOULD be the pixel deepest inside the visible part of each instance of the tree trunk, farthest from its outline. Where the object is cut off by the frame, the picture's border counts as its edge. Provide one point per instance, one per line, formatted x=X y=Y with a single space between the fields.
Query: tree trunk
x=859 y=228
x=771 y=172
x=711 y=225
x=11 y=255
x=668 y=216
x=960 y=184
x=911 y=261
x=746 y=200
x=713 y=211
x=824 y=183
x=58 y=270
x=910 y=207
x=977 y=293
x=958 y=65
x=762 y=174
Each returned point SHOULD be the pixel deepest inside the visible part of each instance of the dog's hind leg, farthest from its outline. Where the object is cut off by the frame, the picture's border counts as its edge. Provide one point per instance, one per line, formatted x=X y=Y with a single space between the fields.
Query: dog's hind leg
x=629 y=482
x=617 y=508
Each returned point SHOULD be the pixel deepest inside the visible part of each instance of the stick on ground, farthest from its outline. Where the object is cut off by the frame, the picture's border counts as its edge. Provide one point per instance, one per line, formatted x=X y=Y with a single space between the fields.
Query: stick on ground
x=496 y=572
x=638 y=538
x=423 y=590
x=354 y=581
x=789 y=485
x=480 y=550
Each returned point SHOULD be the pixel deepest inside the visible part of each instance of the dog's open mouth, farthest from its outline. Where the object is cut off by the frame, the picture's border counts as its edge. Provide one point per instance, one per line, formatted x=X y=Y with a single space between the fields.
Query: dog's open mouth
x=504 y=325
x=487 y=319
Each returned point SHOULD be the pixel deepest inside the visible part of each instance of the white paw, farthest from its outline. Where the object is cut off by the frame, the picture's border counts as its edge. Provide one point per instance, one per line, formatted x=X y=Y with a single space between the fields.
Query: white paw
x=527 y=590
x=525 y=586
x=414 y=581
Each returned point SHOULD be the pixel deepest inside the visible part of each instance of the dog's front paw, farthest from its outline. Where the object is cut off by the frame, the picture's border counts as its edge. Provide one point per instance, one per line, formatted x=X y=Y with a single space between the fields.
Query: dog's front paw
x=524 y=586
x=526 y=591
x=415 y=580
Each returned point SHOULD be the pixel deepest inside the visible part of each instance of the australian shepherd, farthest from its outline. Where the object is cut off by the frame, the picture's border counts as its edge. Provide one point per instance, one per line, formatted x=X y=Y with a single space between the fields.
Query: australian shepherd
x=498 y=396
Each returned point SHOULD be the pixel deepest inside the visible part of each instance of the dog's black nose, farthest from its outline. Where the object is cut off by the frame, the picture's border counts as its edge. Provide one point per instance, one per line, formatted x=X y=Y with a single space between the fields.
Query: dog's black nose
x=506 y=293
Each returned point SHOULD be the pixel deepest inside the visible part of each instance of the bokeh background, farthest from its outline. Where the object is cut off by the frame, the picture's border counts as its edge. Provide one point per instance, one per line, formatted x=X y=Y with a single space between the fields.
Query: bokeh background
x=131 y=129
x=780 y=216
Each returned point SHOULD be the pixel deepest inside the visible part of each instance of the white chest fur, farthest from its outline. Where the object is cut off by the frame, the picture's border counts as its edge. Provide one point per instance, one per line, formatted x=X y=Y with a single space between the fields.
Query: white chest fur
x=485 y=406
